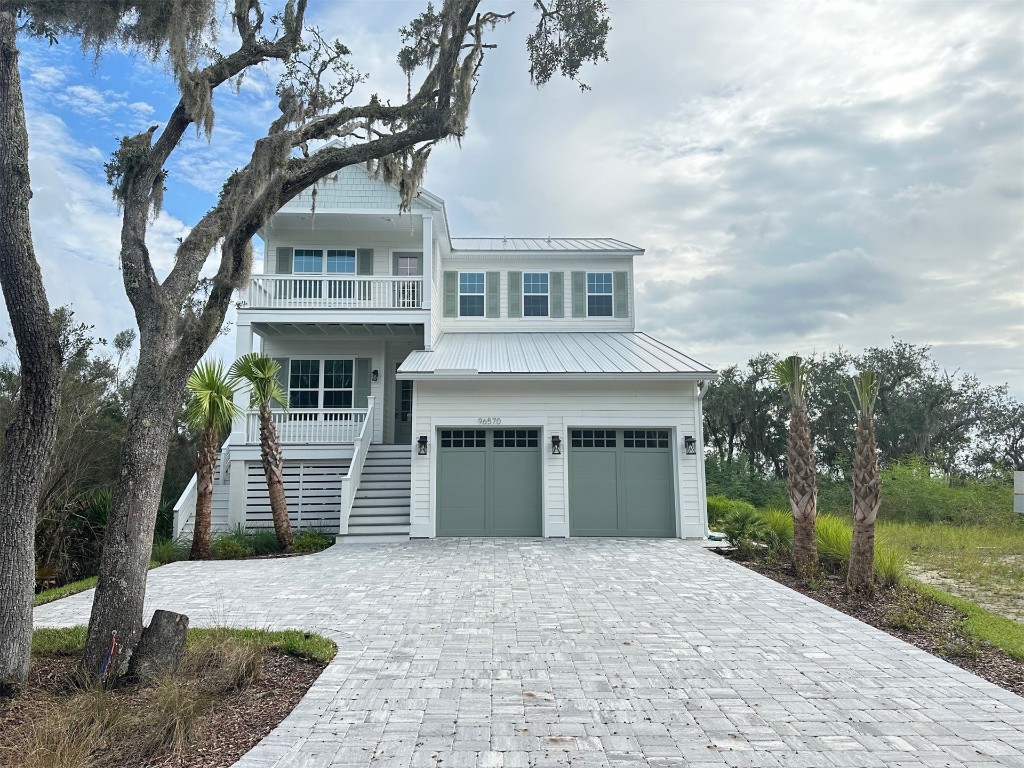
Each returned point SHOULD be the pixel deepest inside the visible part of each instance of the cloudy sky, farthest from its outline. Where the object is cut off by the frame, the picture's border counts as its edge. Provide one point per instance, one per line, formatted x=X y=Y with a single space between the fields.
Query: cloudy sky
x=801 y=175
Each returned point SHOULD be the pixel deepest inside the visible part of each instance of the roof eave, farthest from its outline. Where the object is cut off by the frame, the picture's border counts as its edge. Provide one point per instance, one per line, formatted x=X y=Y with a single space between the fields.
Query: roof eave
x=605 y=376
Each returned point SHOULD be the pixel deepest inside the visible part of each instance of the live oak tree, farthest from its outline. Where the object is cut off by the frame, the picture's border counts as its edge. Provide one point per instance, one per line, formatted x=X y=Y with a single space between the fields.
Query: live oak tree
x=179 y=316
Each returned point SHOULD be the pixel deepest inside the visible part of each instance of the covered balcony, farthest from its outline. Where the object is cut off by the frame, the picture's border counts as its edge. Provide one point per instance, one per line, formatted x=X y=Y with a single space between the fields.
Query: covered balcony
x=333 y=292
x=310 y=426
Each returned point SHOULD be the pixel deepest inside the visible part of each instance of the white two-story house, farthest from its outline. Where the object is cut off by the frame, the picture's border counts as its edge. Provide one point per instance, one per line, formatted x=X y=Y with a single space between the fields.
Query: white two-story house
x=443 y=386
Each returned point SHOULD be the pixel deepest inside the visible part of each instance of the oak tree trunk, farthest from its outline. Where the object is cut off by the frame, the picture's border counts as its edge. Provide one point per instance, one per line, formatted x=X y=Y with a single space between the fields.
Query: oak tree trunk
x=206 y=470
x=273 y=468
x=30 y=438
x=117 y=610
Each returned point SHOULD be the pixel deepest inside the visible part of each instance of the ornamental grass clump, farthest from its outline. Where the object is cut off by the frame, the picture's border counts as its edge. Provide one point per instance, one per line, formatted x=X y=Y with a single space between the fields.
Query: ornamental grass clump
x=745 y=530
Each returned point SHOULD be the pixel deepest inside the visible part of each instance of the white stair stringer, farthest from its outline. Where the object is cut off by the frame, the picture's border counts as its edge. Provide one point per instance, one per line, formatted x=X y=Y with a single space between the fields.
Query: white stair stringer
x=380 y=511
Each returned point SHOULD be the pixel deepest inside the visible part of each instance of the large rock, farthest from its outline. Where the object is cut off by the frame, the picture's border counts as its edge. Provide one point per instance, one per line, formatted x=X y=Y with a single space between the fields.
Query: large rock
x=161 y=647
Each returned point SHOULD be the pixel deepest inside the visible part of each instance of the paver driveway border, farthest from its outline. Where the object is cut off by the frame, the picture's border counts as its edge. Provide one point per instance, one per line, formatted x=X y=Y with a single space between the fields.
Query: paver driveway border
x=587 y=652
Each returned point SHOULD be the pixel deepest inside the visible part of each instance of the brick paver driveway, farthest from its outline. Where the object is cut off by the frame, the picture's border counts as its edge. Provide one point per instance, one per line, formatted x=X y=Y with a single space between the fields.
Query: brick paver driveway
x=468 y=652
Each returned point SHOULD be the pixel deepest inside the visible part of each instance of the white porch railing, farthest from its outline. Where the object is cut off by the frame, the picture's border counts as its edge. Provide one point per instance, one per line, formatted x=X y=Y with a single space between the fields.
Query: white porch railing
x=310 y=425
x=185 y=506
x=350 y=484
x=333 y=292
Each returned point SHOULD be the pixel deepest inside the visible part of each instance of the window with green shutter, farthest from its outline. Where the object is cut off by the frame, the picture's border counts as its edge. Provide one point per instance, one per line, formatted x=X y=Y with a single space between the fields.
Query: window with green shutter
x=515 y=287
x=599 y=294
x=557 y=295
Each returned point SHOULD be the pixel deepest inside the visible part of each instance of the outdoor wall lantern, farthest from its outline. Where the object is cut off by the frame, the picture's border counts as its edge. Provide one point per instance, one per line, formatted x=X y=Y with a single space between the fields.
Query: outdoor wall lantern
x=691 y=445
x=374 y=374
x=421 y=445
x=556 y=445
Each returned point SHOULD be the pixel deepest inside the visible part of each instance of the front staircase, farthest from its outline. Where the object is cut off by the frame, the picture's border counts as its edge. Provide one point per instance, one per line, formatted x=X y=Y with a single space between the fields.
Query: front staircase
x=380 y=512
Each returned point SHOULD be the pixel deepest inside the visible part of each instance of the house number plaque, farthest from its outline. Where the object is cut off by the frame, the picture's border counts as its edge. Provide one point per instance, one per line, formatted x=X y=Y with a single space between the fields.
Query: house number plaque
x=489 y=420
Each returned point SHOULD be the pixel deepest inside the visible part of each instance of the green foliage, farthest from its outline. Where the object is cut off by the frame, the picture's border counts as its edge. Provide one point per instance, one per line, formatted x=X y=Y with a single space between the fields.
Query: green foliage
x=778 y=536
x=262 y=541
x=835 y=536
x=66 y=590
x=58 y=641
x=791 y=375
x=911 y=491
x=170 y=551
x=568 y=34
x=303 y=645
x=228 y=546
x=982 y=624
x=721 y=507
x=311 y=540
x=261 y=373
x=890 y=565
x=744 y=528
x=211 y=402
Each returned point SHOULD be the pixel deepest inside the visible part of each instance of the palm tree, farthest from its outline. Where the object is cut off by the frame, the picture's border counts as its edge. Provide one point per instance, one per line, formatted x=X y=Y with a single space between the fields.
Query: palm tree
x=261 y=372
x=800 y=469
x=210 y=410
x=867 y=486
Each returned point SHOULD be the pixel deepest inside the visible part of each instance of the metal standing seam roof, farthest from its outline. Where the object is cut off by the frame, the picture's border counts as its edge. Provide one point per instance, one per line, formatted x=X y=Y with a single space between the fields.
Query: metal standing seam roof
x=537 y=244
x=551 y=353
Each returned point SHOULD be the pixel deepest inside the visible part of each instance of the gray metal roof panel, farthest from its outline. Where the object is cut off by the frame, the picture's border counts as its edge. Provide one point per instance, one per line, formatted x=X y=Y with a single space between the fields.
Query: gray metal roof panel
x=538 y=244
x=551 y=353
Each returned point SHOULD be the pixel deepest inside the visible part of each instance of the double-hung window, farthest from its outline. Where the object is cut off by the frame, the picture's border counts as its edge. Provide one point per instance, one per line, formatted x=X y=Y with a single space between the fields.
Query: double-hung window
x=535 y=294
x=471 y=294
x=320 y=383
x=308 y=261
x=340 y=262
x=599 y=294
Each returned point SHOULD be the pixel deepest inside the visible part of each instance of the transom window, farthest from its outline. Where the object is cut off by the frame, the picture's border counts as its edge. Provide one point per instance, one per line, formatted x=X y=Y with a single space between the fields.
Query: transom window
x=535 y=294
x=307 y=260
x=645 y=438
x=599 y=294
x=320 y=383
x=471 y=294
x=463 y=438
x=593 y=438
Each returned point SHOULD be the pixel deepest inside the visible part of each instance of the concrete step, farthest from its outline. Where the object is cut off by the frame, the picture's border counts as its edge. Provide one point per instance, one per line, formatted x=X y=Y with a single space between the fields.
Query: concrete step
x=361 y=520
x=385 y=538
x=370 y=530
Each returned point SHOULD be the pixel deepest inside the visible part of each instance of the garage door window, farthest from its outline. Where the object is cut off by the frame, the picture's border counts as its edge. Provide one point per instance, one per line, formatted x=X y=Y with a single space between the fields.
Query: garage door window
x=593 y=438
x=516 y=438
x=645 y=438
x=463 y=438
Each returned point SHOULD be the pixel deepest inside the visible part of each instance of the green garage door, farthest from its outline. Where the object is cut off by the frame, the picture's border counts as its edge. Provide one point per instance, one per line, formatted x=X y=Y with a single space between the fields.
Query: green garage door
x=620 y=483
x=488 y=482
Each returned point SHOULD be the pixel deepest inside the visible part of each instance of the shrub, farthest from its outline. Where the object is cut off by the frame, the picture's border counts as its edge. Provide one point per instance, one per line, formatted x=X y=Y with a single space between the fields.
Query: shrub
x=778 y=535
x=835 y=536
x=170 y=550
x=262 y=541
x=230 y=546
x=744 y=528
x=311 y=540
x=720 y=507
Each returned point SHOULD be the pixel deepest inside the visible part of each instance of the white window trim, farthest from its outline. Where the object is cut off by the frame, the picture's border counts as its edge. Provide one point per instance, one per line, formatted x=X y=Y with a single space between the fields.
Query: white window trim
x=323 y=255
x=525 y=294
x=483 y=293
x=320 y=384
x=588 y=294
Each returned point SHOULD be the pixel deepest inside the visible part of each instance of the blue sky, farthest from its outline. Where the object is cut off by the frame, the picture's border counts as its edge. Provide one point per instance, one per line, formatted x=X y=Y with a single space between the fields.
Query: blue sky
x=802 y=176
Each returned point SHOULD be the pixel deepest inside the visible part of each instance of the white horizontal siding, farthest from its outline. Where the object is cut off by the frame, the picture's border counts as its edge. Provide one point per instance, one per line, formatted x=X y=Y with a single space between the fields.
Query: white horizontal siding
x=313 y=490
x=556 y=407
x=383 y=243
x=502 y=264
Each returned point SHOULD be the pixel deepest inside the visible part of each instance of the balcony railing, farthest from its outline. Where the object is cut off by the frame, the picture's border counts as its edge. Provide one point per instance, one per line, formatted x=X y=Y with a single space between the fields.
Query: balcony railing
x=333 y=292
x=310 y=425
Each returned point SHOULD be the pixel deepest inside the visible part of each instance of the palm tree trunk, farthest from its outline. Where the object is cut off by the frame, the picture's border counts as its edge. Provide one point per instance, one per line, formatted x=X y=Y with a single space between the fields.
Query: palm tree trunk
x=273 y=469
x=31 y=436
x=206 y=469
x=867 y=498
x=803 y=492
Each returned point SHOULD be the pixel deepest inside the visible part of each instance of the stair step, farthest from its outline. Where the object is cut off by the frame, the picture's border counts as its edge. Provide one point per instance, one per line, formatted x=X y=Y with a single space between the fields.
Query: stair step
x=380 y=509
x=383 y=493
x=380 y=538
x=359 y=520
x=356 y=530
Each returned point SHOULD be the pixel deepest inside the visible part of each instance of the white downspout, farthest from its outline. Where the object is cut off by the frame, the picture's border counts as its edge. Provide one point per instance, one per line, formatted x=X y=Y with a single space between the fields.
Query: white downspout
x=701 y=457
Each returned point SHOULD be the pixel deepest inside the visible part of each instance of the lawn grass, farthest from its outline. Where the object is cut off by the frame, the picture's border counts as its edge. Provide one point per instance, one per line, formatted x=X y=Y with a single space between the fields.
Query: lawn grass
x=49 y=641
x=980 y=623
x=56 y=593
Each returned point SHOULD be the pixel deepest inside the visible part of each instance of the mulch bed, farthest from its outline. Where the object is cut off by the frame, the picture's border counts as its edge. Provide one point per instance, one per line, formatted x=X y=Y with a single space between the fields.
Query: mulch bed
x=232 y=726
x=908 y=615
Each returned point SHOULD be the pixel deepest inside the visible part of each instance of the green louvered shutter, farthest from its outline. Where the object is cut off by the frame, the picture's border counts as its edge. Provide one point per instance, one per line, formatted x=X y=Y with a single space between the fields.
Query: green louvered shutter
x=515 y=294
x=362 y=382
x=282 y=378
x=284 y=260
x=493 y=297
x=579 y=294
x=557 y=299
x=364 y=261
x=620 y=288
x=451 y=294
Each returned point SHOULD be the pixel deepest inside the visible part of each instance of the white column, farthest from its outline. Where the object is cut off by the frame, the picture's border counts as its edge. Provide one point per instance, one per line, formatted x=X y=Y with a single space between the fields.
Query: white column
x=428 y=255
x=237 y=500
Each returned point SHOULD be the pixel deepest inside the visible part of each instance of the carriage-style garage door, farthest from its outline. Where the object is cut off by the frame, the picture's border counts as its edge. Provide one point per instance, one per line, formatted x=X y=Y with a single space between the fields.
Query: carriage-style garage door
x=488 y=482
x=620 y=483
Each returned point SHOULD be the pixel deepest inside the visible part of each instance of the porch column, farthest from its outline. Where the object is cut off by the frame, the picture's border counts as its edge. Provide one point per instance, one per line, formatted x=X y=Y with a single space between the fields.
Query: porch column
x=428 y=253
x=236 y=476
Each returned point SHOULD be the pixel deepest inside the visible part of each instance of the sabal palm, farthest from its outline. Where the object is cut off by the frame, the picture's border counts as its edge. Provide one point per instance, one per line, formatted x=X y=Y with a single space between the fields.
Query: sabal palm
x=261 y=374
x=867 y=486
x=210 y=410
x=802 y=479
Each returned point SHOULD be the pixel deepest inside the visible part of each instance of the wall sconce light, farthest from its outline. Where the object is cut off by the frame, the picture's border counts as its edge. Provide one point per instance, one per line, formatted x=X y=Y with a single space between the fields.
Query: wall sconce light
x=421 y=445
x=691 y=445
x=374 y=374
x=556 y=445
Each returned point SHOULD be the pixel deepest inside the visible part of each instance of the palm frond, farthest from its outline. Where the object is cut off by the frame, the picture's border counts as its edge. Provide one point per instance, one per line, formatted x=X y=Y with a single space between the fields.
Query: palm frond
x=791 y=375
x=865 y=393
x=211 y=402
x=261 y=373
